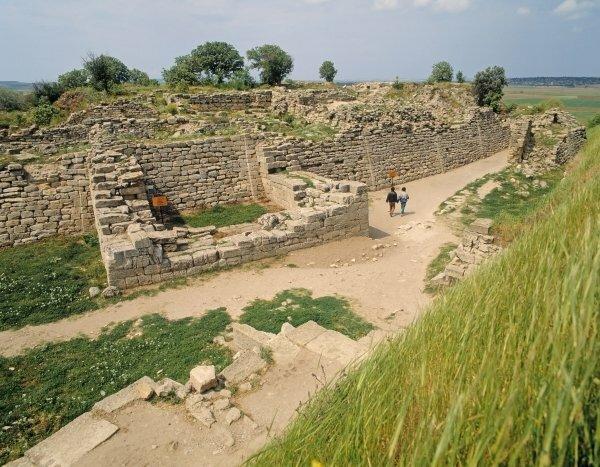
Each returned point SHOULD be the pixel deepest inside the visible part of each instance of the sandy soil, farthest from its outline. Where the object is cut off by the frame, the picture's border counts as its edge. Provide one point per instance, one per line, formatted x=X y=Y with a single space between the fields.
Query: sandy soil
x=385 y=285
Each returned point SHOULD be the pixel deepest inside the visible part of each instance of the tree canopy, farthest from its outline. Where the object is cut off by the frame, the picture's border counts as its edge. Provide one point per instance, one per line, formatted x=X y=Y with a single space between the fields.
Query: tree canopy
x=272 y=61
x=488 y=86
x=460 y=77
x=441 y=72
x=217 y=61
x=327 y=71
x=105 y=71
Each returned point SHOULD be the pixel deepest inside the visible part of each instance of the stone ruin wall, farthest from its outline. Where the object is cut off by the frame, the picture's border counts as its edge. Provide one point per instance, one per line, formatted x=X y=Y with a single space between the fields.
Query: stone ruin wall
x=224 y=101
x=43 y=201
x=414 y=153
x=202 y=173
x=138 y=250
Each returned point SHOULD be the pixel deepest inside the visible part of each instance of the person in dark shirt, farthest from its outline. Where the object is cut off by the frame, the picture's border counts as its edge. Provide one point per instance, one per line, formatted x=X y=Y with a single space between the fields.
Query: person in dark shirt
x=392 y=199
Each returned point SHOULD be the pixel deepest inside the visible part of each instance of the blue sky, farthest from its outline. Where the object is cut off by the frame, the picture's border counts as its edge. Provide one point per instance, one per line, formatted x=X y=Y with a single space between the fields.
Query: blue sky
x=367 y=39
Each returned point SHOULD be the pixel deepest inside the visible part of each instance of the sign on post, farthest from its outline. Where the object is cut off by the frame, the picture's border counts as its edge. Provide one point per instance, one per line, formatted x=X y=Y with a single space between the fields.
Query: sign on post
x=392 y=173
x=159 y=201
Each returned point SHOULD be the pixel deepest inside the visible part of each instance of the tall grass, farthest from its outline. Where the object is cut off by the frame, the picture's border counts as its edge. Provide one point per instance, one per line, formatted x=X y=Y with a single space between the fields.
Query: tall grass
x=502 y=369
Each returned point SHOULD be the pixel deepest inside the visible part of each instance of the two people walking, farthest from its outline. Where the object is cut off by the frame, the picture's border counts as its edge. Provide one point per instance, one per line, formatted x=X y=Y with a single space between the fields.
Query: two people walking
x=394 y=198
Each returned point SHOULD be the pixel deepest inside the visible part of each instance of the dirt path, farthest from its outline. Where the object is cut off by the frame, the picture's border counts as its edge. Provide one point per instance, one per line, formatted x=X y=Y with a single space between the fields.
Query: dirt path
x=385 y=285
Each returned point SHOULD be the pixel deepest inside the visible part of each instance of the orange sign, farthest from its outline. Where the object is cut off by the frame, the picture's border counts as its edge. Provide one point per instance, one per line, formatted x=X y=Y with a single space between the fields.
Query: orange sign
x=159 y=201
x=392 y=173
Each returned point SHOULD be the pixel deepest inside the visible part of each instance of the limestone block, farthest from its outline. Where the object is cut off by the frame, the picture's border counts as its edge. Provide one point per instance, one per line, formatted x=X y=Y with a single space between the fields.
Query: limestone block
x=72 y=442
x=203 y=378
x=242 y=367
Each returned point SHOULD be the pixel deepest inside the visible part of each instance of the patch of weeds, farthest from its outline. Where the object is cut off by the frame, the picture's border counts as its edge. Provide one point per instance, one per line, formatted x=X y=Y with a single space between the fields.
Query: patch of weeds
x=437 y=265
x=546 y=140
x=267 y=355
x=297 y=306
x=48 y=280
x=300 y=128
x=170 y=398
x=49 y=386
x=224 y=215
x=291 y=265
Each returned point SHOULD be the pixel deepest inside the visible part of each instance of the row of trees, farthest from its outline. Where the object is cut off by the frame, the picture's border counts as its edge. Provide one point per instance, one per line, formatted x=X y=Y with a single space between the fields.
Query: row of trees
x=220 y=62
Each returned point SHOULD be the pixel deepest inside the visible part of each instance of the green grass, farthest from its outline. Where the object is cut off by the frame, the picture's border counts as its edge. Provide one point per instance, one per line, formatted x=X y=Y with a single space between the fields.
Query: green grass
x=48 y=280
x=224 y=215
x=582 y=102
x=294 y=126
x=502 y=369
x=438 y=264
x=299 y=306
x=515 y=198
x=49 y=386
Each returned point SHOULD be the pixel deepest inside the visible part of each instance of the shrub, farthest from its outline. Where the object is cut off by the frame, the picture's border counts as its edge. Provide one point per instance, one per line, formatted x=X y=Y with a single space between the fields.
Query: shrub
x=171 y=108
x=397 y=84
x=241 y=80
x=327 y=71
x=105 y=71
x=488 y=86
x=139 y=77
x=272 y=61
x=216 y=61
x=43 y=114
x=73 y=79
x=46 y=92
x=181 y=74
x=12 y=100
x=594 y=122
x=547 y=104
x=460 y=77
x=441 y=72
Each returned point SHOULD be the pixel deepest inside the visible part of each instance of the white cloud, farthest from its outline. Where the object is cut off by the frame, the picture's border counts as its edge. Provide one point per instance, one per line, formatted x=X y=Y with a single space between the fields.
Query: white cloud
x=385 y=4
x=438 y=5
x=523 y=11
x=573 y=9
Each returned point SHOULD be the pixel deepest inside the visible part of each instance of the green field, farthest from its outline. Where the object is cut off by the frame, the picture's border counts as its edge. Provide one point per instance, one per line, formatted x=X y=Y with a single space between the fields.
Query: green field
x=582 y=102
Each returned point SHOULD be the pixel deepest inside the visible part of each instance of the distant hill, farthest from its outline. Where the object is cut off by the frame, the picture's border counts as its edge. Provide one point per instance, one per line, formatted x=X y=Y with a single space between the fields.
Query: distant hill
x=555 y=81
x=16 y=85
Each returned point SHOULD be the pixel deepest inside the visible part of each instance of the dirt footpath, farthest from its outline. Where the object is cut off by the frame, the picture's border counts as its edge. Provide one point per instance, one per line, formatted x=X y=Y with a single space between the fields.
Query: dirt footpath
x=382 y=275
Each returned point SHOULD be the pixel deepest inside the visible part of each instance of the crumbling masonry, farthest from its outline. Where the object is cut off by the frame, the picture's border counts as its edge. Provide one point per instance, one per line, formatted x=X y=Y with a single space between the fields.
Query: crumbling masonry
x=321 y=185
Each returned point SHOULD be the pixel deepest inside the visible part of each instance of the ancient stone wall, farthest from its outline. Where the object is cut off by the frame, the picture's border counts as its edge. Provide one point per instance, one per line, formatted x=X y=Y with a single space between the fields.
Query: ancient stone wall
x=138 y=250
x=42 y=201
x=224 y=101
x=570 y=145
x=413 y=153
x=202 y=173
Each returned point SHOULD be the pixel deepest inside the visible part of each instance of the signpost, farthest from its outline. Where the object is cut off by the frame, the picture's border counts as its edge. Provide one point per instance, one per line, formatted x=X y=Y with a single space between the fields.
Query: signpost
x=392 y=174
x=160 y=202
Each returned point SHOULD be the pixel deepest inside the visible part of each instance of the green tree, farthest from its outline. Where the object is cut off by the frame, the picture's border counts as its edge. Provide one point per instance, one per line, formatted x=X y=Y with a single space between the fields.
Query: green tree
x=217 y=61
x=241 y=80
x=181 y=74
x=272 y=61
x=105 y=71
x=139 y=77
x=327 y=71
x=441 y=72
x=46 y=92
x=488 y=86
x=460 y=77
x=73 y=79
x=12 y=100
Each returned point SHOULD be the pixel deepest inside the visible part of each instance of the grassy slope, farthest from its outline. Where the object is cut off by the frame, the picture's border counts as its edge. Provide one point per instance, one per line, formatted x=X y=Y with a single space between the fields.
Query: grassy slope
x=48 y=280
x=49 y=386
x=503 y=368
